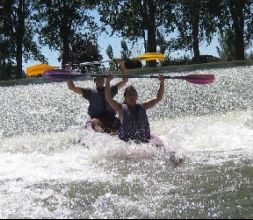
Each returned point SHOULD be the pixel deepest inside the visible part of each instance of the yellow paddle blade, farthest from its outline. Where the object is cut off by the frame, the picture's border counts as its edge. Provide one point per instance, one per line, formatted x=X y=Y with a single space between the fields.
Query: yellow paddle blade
x=37 y=70
x=151 y=56
x=151 y=59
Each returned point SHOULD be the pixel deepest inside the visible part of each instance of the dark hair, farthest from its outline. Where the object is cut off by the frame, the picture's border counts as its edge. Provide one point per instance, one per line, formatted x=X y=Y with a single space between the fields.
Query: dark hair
x=129 y=89
x=97 y=77
x=68 y=64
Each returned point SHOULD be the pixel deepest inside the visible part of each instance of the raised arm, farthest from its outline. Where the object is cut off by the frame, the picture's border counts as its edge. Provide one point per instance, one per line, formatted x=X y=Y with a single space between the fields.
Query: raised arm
x=75 y=89
x=114 y=104
x=151 y=103
x=123 y=70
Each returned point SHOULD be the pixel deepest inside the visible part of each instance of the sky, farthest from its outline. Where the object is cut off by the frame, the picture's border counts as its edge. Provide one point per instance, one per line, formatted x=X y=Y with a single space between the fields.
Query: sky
x=104 y=40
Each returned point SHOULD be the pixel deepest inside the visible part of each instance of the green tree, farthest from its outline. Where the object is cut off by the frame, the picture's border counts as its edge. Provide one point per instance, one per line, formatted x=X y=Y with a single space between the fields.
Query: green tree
x=195 y=23
x=236 y=16
x=162 y=42
x=109 y=52
x=125 y=52
x=17 y=33
x=6 y=48
x=226 y=49
x=84 y=48
x=7 y=70
x=240 y=11
x=60 y=20
x=135 y=19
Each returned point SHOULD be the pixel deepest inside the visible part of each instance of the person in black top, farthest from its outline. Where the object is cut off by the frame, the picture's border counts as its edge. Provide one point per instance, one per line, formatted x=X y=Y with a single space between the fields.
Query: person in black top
x=103 y=117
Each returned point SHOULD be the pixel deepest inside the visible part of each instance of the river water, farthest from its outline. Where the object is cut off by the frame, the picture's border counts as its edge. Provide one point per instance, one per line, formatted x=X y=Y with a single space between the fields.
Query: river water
x=52 y=167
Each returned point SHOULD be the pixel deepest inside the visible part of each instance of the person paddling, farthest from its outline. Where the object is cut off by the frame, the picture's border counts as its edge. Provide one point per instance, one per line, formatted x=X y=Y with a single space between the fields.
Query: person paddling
x=103 y=117
x=134 y=120
x=133 y=116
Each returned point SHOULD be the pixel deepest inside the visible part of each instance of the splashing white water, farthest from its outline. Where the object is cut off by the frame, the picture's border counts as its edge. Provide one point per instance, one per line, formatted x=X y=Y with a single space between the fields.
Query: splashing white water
x=51 y=167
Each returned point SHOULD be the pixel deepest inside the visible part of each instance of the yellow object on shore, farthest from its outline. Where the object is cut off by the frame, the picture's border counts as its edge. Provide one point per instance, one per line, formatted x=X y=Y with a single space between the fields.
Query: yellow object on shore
x=151 y=56
x=37 y=70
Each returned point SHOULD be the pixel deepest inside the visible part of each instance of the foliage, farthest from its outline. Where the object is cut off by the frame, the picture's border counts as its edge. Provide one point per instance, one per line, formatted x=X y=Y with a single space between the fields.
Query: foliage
x=109 y=51
x=84 y=49
x=69 y=28
x=226 y=49
x=125 y=52
x=17 y=33
x=59 y=21
x=195 y=23
x=133 y=64
x=135 y=19
x=7 y=71
x=112 y=64
x=235 y=25
x=162 y=42
x=176 y=61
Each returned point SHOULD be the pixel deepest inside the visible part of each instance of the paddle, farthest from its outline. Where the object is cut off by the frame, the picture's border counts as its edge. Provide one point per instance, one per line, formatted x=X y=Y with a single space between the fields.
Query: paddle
x=62 y=75
x=149 y=56
x=93 y=63
x=37 y=69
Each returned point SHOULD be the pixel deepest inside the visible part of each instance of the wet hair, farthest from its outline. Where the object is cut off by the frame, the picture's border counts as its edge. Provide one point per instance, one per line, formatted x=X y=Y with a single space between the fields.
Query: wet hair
x=130 y=89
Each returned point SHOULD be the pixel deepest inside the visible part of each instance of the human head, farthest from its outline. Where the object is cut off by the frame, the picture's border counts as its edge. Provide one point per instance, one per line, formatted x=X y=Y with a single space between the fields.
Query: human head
x=131 y=96
x=68 y=66
x=100 y=81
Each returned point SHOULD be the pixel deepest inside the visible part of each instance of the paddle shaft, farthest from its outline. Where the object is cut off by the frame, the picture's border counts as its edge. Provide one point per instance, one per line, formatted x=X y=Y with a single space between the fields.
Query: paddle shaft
x=128 y=76
x=67 y=75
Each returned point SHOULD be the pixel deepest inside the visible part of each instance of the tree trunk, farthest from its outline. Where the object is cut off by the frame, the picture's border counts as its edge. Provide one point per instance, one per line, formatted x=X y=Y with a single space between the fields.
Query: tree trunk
x=143 y=10
x=236 y=9
x=151 y=27
x=20 y=38
x=64 y=33
x=195 y=28
x=65 y=51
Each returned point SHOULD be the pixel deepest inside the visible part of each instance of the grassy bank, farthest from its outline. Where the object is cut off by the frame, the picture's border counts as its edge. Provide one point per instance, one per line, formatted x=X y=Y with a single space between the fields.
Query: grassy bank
x=164 y=69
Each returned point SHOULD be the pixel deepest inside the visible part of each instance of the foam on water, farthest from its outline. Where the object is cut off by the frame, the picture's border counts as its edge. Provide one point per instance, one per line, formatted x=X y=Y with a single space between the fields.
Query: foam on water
x=51 y=167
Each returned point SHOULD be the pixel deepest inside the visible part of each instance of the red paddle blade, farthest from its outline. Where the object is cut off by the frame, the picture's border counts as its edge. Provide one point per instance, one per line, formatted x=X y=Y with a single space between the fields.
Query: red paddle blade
x=200 y=79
